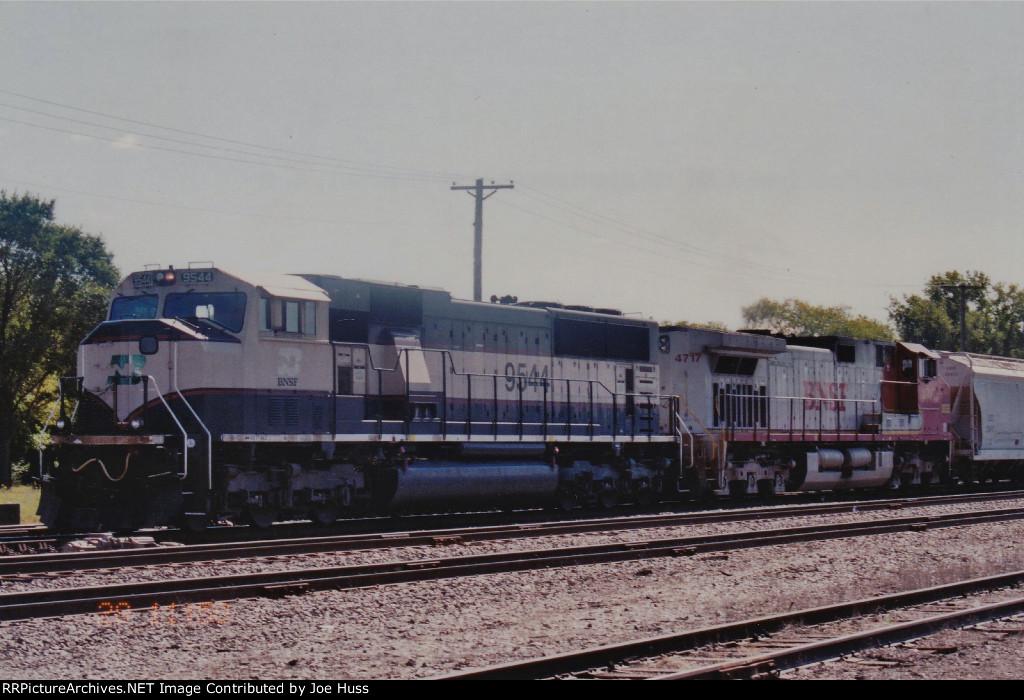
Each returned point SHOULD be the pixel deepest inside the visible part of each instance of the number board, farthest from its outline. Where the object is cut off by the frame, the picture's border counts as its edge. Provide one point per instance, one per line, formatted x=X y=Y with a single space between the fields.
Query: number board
x=196 y=276
x=147 y=279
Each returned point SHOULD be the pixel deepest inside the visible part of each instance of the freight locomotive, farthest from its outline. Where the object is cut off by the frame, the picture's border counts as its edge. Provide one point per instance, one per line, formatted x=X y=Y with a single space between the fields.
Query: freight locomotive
x=210 y=394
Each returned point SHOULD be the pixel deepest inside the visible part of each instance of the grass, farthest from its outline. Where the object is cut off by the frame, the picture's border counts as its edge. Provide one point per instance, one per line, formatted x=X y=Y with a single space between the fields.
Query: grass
x=27 y=497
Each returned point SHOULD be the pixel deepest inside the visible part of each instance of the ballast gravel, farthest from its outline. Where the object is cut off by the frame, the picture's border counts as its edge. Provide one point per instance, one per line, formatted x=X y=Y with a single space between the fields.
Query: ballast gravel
x=108 y=577
x=425 y=629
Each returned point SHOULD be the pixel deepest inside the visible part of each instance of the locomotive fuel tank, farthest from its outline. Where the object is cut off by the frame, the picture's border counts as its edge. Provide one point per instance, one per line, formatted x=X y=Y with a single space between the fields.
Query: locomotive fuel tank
x=847 y=468
x=444 y=484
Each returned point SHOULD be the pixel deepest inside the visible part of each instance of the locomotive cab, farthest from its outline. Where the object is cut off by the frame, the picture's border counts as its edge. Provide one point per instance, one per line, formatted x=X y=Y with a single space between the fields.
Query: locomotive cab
x=912 y=393
x=157 y=382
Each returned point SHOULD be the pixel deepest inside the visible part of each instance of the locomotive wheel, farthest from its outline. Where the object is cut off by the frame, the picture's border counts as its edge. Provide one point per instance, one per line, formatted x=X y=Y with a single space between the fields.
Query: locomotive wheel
x=163 y=506
x=765 y=488
x=608 y=498
x=324 y=515
x=194 y=522
x=645 y=497
x=780 y=483
x=262 y=516
x=83 y=519
x=567 y=499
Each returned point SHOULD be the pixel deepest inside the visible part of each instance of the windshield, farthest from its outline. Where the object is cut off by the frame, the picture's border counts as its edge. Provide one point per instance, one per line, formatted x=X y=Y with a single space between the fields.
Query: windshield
x=225 y=309
x=143 y=306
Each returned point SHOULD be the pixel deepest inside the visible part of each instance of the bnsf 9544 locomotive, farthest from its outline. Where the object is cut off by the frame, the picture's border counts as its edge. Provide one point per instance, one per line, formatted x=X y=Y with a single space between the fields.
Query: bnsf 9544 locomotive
x=210 y=394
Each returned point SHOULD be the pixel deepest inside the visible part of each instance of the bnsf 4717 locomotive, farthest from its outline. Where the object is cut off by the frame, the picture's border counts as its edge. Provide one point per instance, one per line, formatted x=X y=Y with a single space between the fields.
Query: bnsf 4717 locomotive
x=210 y=394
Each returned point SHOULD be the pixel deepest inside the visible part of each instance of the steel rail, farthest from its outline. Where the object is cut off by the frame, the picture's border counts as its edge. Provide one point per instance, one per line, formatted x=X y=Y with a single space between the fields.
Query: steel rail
x=65 y=601
x=826 y=650
x=17 y=565
x=613 y=654
x=18 y=529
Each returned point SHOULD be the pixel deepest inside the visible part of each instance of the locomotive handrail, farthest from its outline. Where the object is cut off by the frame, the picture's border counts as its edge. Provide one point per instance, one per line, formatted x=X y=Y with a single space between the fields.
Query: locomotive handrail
x=448 y=363
x=916 y=383
x=184 y=435
x=958 y=441
x=680 y=423
x=801 y=398
x=59 y=402
x=209 y=436
x=714 y=445
x=447 y=354
x=42 y=433
x=730 y=423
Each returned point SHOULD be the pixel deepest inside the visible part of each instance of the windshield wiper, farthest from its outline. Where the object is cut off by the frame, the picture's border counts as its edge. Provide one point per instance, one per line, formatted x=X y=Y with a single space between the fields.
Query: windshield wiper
x=215 y=323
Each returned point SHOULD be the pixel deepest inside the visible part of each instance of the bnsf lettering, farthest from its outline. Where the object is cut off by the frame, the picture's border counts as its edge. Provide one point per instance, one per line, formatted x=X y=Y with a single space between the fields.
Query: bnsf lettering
x=833 y=395
x=287 y=381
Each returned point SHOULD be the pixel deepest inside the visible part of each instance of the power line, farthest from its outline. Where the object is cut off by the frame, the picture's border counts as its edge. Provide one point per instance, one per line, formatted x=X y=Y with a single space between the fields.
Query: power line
x=210 y=155
x=172 y=140
x=637 y=232
x=767 y=274
x=207 y=210
x=353 y=163
x=770 y=271
x=321 y=164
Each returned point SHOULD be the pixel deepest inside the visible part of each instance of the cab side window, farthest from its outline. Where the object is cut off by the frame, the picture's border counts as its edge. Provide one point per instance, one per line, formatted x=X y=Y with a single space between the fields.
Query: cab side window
x=290 y=316
x=266 y=322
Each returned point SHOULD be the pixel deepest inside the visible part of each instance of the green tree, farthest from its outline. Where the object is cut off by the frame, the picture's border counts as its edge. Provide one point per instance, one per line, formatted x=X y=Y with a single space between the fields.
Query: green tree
x=54 y=285
x=796 y=317
x=707 y=325
x=994 y=314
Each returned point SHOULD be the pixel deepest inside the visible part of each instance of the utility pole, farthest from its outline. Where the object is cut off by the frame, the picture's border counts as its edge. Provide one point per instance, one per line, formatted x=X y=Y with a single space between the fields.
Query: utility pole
x=477 y=191
x=962 y=288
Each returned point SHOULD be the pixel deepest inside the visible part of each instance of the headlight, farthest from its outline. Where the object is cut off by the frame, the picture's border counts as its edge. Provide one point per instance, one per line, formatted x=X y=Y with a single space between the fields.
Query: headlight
x=136 y=423
x=165 y=277
x=61 y=423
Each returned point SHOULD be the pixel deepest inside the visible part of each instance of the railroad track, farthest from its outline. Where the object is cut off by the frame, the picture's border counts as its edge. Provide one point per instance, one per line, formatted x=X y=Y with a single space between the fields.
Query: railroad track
x=65 y=601
x=11 y=533
x=766 y=646
x=14 y=535
x=7 y=529
x=13 y=565
x=26 y=539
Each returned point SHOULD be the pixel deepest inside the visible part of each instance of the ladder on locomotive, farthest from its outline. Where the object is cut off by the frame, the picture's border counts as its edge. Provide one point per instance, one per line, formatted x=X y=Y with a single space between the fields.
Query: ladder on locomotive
x=698 y=451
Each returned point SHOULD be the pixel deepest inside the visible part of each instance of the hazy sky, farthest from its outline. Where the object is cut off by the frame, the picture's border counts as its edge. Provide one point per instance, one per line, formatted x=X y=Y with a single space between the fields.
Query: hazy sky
x=677 y=159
